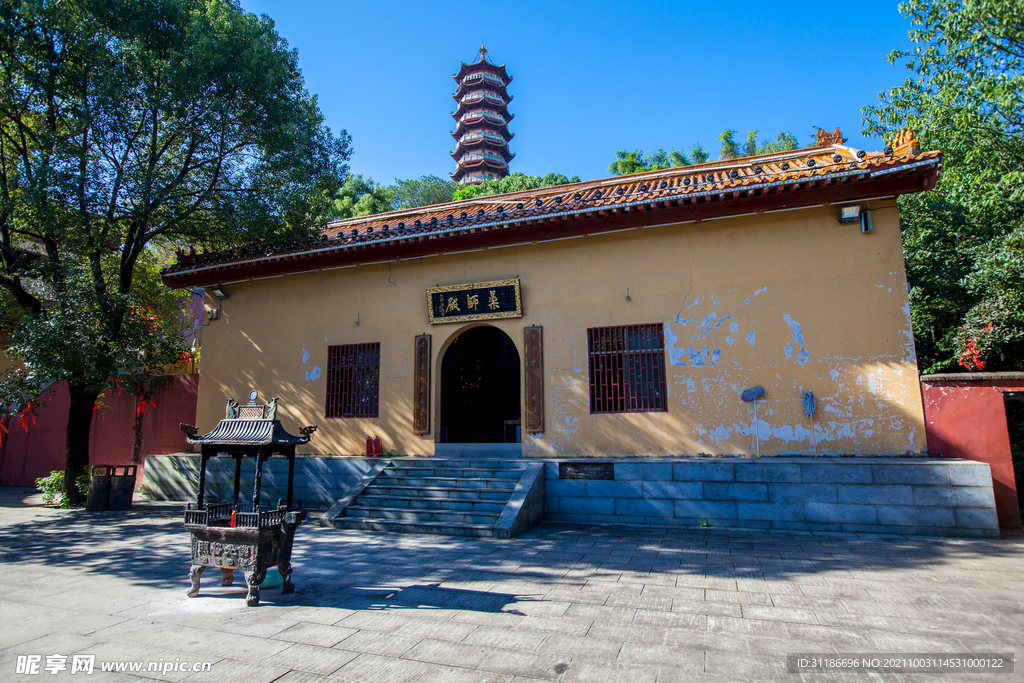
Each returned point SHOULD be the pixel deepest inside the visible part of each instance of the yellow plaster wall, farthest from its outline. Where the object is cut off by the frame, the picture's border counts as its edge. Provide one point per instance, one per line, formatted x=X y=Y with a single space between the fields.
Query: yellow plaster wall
x=791 y=301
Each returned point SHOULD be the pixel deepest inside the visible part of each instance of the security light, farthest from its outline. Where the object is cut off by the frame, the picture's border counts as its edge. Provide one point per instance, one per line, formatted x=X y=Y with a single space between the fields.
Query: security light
x=849 y=214
x=219 y=292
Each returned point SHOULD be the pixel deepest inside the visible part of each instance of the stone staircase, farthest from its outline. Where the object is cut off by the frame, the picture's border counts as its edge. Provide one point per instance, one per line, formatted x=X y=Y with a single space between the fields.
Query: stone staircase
x=450 y=496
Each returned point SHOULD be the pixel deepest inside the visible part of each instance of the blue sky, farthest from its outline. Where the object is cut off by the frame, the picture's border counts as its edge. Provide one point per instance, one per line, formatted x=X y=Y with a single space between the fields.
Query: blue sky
x=590 y=78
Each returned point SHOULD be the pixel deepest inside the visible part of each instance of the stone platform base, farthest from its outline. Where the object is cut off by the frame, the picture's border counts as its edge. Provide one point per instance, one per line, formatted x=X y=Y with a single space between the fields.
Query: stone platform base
x=882 y=495
x=885 y=495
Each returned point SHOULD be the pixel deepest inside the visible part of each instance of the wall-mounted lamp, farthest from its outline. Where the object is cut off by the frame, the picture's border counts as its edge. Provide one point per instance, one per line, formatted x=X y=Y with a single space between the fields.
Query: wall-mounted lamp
x=218 y=293
x=865 y=221
x=849 y=214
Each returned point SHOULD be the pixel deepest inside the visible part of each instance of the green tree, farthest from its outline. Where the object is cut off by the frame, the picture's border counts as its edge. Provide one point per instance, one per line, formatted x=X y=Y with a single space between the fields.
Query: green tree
x=424 y=191
x=627 y=163
x=359 y=197
x=128 y=125
x=783 y=142
x=963 y=241
x=729 y=149
x=514 y=182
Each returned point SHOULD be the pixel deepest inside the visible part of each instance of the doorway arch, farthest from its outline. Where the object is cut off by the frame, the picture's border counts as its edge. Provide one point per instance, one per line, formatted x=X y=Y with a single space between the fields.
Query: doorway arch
x=480 y=388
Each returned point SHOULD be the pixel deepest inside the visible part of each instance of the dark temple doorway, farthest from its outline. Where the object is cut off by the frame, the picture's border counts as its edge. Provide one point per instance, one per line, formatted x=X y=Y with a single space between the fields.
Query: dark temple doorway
x=480 y=388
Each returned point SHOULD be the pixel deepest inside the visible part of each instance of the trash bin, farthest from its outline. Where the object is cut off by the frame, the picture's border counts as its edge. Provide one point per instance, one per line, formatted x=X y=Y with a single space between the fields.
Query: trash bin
x=122 y=486
x=111 y=489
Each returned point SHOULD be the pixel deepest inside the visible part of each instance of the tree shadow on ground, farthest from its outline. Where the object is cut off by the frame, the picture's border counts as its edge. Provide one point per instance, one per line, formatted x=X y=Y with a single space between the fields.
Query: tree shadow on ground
x=150 y=547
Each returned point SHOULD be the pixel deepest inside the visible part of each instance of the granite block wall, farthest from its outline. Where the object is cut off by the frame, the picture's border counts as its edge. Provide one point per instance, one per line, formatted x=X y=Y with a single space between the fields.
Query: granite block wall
x=319 y=481
x=914 y=496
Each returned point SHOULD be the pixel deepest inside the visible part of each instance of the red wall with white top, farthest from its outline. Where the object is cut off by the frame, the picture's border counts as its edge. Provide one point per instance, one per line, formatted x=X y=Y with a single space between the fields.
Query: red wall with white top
x=36 y=448
x=967 y=419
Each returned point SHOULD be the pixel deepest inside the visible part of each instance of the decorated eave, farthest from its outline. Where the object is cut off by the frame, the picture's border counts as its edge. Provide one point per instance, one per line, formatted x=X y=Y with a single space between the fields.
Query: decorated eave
x=476 y=123
x=491 y=86
x=828 y=174
x=480 y=166
x=482 y=66
x=487 y=125
x=478 y=142
x=482 y=145
x=466 y=166
x=485 y=104
x=241 y=432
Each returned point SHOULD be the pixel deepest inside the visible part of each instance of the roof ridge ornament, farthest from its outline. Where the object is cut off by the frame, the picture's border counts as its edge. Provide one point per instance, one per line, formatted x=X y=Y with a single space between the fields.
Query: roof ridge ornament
x=826 y=139
x=904 y=141
x=483 y=53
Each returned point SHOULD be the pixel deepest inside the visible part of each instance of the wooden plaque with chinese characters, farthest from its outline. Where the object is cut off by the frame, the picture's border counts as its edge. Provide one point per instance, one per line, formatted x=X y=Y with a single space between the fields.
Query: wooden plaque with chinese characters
x=533 y=339
x=421 y=385
x=476 y=301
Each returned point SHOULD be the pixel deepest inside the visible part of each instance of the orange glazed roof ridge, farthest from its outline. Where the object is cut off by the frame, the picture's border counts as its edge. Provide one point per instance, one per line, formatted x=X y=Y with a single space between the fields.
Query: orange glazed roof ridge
x=715 y=189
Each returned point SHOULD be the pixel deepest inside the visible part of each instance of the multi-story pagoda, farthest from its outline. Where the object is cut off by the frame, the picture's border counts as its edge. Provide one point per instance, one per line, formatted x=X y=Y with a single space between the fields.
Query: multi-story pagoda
x=482 y=120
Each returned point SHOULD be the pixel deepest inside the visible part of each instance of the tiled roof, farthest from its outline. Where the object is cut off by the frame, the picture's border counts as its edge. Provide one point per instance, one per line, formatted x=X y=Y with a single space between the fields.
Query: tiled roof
x=804 y=177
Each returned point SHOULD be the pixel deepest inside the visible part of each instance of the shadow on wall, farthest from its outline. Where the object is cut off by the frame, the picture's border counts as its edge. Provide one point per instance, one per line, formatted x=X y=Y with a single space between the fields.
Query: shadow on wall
x=858 y=413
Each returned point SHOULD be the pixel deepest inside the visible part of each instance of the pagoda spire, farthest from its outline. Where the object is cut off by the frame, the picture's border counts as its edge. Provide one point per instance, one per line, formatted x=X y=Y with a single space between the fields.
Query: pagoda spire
x=482 y=118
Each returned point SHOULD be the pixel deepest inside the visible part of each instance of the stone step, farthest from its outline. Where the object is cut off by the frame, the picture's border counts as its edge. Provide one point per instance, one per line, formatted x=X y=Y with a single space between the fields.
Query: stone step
x=410 y=527
x=460 y=463
x=450 y=472
x=421 y=503
x=439 y=516
x=449 y=482
x=437 y=492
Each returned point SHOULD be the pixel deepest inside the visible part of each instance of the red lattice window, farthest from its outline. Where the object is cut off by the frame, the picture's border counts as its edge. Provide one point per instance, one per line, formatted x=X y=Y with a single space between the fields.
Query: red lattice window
x=627 y=369
x=353 y=380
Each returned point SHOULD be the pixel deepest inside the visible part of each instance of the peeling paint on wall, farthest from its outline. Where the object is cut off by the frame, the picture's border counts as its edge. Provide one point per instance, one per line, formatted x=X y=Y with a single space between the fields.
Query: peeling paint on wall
x=798 y=337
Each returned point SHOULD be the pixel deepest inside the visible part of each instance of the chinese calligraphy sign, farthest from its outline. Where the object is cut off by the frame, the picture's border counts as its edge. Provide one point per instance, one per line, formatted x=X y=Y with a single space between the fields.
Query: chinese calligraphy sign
x=476 y=301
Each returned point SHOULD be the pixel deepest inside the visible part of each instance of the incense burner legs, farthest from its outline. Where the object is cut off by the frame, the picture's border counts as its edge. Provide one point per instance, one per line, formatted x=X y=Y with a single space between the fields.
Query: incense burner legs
x=194 y=574
x=285 y=568
x=254 y=579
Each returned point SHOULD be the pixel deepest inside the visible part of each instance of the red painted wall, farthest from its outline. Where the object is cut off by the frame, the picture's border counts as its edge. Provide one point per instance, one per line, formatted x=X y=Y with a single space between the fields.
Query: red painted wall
x=967 y=419
x=28 y=455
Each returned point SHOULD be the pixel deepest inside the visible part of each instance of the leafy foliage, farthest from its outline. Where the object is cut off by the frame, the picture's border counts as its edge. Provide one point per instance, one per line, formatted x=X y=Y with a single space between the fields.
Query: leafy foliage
x=360 y=197
x=627 y=163
x=52 y=487
x=636 y=161
x=783 y=142
x=128 y=127
x=514 y=182
x=963 y=241
x=424 y=191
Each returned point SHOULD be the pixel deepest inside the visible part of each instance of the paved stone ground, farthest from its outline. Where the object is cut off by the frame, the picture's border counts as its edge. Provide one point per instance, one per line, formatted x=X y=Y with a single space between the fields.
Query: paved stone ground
x=558 y=603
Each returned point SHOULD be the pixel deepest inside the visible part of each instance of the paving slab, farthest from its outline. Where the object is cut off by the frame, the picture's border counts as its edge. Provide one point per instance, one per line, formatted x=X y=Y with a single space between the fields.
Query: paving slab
x=559 y=603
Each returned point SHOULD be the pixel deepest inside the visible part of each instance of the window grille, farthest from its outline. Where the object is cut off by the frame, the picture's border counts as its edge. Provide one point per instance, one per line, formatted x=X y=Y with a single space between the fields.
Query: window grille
x=627 y=369
x=353 y=380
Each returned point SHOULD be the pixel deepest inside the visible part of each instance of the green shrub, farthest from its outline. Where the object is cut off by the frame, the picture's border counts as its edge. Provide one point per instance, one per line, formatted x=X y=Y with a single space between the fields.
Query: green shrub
x=52 y=487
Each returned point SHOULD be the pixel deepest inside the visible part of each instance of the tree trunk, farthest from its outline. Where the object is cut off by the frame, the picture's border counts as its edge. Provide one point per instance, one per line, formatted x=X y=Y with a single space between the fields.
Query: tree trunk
x=140 y=413
x=77 y=445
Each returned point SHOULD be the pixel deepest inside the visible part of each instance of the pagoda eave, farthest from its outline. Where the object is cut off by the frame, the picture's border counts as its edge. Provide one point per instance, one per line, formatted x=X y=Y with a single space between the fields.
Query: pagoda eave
x=501 y=109
x=463 y=87
x=491 y=163
x=475 y=123
x=482 y=66
x=504 y=153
